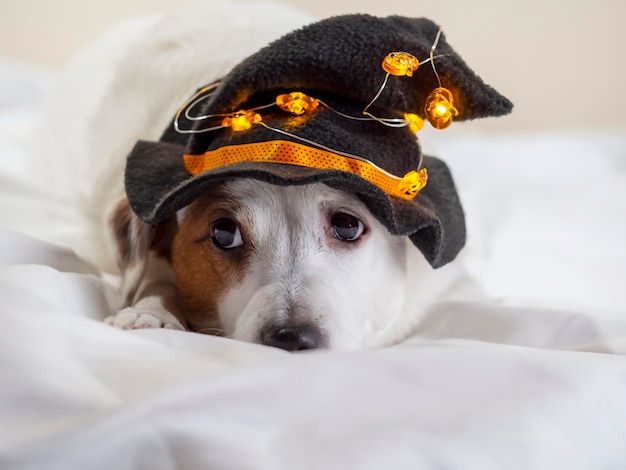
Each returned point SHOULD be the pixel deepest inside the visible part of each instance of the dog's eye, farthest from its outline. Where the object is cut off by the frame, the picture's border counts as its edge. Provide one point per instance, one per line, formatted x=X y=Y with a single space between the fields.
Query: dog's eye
x=225 y=234
x=346 y=227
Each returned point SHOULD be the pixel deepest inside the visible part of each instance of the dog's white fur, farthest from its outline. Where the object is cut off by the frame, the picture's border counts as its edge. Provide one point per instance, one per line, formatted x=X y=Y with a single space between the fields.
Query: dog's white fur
x=127 y=87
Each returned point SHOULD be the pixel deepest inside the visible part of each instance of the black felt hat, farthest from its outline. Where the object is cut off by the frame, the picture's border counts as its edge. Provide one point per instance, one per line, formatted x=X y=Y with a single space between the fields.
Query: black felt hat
x=344 y=66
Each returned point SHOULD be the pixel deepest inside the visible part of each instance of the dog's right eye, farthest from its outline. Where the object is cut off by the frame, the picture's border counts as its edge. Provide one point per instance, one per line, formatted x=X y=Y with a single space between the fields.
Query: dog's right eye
x=225 y=234
x=346 y=227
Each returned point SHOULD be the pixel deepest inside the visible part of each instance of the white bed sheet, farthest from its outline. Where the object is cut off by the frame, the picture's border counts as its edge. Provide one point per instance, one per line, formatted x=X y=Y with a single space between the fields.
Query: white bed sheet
x=530 y=375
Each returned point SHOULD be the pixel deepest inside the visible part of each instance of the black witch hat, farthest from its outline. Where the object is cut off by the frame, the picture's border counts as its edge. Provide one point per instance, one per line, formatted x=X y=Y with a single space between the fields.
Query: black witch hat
x=338 y=102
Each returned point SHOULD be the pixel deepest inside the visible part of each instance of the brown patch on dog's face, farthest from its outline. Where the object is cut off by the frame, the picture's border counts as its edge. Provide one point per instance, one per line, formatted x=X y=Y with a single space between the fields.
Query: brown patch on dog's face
x=203 y=270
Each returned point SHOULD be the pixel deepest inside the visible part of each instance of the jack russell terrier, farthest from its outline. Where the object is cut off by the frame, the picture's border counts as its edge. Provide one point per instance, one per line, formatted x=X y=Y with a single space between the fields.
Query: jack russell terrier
x=289 y=203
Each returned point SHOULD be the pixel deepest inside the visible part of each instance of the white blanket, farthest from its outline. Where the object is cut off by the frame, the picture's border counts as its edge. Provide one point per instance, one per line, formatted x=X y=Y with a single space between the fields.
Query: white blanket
x=530 y=374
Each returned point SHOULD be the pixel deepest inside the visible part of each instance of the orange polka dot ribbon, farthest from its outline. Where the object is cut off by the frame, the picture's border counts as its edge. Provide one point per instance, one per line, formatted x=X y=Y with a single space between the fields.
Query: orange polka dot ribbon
x=291 y=153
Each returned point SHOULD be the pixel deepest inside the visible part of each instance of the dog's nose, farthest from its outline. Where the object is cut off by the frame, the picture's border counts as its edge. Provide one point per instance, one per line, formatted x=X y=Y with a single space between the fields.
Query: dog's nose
x=292 y=338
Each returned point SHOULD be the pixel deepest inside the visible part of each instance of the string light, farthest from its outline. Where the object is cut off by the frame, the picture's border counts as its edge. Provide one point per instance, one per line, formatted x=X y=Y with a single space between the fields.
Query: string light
x=439 y=108
x=400 y=64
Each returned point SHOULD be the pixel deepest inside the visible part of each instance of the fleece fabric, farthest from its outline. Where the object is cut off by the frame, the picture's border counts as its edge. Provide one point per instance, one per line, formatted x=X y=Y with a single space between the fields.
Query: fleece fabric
x=337 y=60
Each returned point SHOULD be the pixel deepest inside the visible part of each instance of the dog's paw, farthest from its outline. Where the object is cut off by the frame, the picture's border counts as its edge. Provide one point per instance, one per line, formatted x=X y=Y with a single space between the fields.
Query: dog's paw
x=133 y=318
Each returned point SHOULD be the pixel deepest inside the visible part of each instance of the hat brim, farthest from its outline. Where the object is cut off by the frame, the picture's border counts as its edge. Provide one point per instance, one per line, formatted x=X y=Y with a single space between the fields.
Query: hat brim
x=158 y=185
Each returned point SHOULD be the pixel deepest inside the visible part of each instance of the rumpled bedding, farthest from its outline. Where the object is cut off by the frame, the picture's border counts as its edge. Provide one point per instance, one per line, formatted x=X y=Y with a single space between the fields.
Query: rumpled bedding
x=530 y=374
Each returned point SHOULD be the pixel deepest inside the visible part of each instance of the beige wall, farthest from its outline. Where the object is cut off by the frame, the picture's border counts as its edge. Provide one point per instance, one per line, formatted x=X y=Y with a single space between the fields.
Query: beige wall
x=560 y=61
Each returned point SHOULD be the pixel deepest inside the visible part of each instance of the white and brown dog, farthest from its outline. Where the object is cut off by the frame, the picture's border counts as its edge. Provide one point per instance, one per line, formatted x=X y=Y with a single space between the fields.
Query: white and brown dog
x=297 y=267
x=267 y=252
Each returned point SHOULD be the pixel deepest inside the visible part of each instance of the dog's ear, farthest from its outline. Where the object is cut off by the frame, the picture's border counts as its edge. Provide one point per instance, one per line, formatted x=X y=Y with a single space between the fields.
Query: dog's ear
x=131 y=240
x=164 y=236
x=442 y=232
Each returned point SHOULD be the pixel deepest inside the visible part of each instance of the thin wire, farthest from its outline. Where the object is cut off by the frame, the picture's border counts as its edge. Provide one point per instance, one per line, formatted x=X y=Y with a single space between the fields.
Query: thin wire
x=425 y=61
x=196 y=131
x=206 y=116
x=421 y=160
x=432 y=52
x=391 y=122
x=185 y=106
x=193 y=104
x=380 y=90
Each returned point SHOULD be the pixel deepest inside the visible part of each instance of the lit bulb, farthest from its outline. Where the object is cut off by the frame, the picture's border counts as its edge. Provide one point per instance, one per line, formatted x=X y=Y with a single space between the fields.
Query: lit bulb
x=439 y=108
x=241 y=120
x=413 y=182
x=296 y=103
x=416 y=123
x=400 y=64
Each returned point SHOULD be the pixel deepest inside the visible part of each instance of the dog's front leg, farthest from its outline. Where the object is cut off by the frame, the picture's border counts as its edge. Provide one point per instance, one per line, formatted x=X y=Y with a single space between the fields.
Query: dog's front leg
x=153 y=309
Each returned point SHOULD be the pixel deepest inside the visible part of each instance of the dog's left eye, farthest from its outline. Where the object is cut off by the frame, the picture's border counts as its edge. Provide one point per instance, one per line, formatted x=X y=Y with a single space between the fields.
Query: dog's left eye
x=346 y=227
x=225 y=234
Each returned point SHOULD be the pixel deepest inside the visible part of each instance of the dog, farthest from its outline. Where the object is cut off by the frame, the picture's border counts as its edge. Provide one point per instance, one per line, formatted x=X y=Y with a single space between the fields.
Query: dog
x=294 y=267
x=300 y=265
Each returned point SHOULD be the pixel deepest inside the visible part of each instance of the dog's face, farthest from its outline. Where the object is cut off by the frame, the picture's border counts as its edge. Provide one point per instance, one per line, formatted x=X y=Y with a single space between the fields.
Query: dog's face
x=296 y=267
